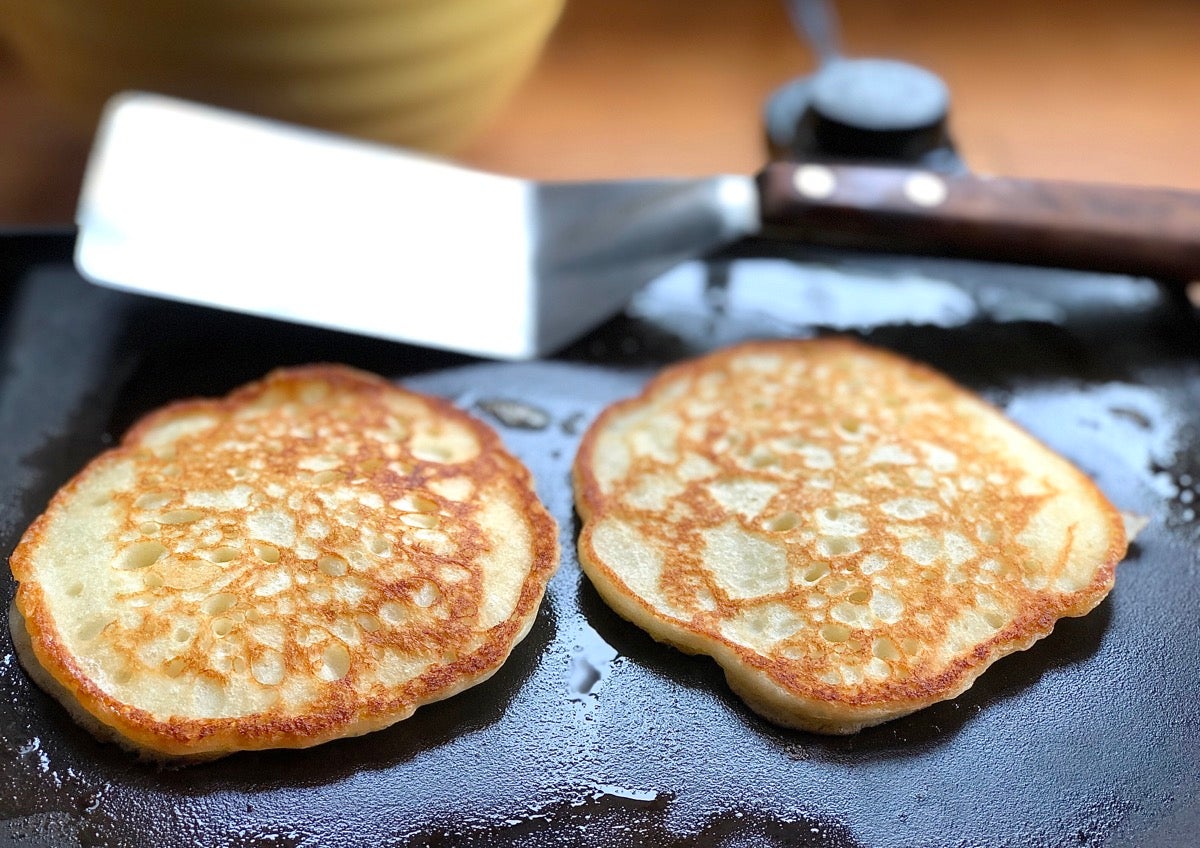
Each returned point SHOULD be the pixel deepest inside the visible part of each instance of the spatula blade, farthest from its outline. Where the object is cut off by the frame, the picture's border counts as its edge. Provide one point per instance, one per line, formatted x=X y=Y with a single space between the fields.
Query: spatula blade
x=206 y=206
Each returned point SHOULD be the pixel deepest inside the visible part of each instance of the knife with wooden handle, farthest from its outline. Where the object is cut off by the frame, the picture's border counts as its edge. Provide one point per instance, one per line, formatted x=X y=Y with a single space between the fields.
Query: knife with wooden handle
x=207 y=206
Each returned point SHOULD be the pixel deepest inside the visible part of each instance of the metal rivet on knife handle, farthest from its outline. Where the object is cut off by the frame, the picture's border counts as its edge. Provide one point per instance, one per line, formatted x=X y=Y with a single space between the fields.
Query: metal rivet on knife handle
x=925 y=189
x=816 y=182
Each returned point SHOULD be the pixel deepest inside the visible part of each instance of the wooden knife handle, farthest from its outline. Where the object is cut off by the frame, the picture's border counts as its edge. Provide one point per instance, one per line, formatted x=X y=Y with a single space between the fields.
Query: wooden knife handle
x=1141 y=231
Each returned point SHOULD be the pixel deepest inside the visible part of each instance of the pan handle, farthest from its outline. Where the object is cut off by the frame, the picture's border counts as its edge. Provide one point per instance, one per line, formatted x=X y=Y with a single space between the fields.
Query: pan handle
x=1124 y=229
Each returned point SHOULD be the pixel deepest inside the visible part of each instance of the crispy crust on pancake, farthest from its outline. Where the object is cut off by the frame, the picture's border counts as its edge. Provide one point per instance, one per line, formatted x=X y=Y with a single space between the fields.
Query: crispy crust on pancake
x=897 y=535
x=419 y=556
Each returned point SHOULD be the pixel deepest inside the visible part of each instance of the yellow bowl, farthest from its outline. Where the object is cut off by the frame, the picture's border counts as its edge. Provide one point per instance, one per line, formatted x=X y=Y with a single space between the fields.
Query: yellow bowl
x=419 y=73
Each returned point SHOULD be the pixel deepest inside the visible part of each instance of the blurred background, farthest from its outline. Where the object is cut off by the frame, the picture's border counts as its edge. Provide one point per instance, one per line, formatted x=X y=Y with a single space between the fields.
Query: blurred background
x=1102 y=90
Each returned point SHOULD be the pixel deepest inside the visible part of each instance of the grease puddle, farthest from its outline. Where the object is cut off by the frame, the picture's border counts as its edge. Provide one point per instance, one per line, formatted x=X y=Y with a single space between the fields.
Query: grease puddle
x=590 y=664
x=515 y=413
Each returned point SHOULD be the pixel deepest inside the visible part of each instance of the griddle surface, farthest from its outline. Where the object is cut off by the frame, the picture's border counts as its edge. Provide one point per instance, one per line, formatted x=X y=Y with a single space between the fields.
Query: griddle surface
x=593 y=733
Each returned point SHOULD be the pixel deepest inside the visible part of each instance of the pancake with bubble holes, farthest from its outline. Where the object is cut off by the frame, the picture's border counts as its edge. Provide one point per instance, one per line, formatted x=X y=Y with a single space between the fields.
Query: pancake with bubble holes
x=312 y=557
x=850 y=535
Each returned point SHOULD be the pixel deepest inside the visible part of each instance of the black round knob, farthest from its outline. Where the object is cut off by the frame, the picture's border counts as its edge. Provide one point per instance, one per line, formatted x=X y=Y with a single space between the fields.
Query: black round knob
x=863 y=109
x=878 y=108
x=879 y=95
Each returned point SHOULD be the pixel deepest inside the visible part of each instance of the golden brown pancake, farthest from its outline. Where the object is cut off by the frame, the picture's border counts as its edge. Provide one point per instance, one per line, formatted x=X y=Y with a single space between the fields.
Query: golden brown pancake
x=312 y=557
x=850 y=535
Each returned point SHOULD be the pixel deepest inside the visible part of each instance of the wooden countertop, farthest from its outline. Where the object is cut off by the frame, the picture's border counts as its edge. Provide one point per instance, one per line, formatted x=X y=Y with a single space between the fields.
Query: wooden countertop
x=1105 y=90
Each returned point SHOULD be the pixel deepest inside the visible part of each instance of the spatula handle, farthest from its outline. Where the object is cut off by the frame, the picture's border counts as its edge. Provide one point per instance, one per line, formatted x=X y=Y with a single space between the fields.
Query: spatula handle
x=1143 y=231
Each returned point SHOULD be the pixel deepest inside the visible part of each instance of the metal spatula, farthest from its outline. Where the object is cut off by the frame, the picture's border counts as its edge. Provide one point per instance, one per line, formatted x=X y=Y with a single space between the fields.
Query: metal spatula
x=202 y=205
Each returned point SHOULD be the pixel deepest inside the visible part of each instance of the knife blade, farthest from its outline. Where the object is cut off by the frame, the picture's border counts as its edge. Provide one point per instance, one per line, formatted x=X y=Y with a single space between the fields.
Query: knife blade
x=207 y=206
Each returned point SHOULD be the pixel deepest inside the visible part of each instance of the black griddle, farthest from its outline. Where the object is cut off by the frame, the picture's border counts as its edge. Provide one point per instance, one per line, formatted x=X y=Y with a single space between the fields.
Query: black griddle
x=593 y=733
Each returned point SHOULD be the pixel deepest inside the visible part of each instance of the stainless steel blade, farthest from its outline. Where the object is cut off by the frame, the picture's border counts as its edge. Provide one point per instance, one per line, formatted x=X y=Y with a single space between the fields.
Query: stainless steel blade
x=207 y=206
